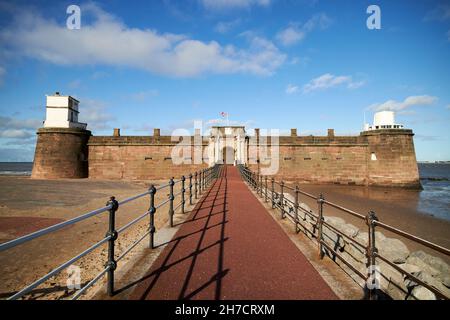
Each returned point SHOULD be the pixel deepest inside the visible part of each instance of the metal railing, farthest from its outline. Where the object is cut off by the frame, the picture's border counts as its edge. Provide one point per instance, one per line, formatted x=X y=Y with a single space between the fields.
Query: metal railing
x=266 y=188
x=197 y=183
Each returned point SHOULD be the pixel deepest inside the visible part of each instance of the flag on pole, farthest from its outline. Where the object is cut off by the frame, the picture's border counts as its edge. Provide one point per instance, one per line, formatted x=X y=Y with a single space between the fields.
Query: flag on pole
x=225 y=115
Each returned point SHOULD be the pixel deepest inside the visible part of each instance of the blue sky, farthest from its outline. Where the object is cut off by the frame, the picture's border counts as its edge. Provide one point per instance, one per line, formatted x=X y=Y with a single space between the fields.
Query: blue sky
x=282 y=64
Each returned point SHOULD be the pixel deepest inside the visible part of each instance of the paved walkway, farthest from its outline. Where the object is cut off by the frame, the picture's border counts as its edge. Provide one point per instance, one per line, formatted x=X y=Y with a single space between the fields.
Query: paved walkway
x=231 y=248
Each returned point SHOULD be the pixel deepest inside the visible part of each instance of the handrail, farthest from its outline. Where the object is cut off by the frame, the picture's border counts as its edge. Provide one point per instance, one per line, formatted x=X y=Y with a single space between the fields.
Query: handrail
x=414 y=238
x=280 y=201
x=57 y=270
x=39 y=233
x=206 y=177
x=353 y=213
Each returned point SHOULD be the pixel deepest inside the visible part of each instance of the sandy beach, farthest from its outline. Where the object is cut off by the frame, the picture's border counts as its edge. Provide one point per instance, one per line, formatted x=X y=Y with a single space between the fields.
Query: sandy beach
x=27 y=205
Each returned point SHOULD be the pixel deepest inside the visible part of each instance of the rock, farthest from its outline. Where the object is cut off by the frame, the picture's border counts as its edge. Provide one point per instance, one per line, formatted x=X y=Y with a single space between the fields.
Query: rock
x=393 y=249
x=422 y=265
x=332 y=238
x=436 y=283
x=356 y=252
x=421 y=293
x=289 y=197
x=391 y=282
x=362 y=237
x=445 y=280
x=304 y=206
x=349 y=230
x=410 y=268
x=335 y=222
x=379 y=236
x=434 y=262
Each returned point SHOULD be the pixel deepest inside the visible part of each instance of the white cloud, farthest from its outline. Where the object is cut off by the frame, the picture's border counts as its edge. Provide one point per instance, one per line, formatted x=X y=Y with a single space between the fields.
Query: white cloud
x=356 y=84
x=295 y=33
x=95 y=114
x=291 y=89
x=328 y=80
x=233 y=4
x=23 y=124
x=290 y=36
x=75 y=84
x=226 y=26
x=108 y=41
x=393 y=105
x=18 y=132
x=448 y=106
x=15 y=134
x=142 y=96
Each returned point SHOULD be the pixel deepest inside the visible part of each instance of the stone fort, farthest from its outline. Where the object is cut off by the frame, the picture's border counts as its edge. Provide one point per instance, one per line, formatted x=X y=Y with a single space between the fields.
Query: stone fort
x=381 y=155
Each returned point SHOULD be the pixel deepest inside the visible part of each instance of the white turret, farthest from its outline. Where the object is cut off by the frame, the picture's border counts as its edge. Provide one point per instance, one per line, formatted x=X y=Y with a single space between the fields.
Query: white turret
x=383 y=120
x=62 y=112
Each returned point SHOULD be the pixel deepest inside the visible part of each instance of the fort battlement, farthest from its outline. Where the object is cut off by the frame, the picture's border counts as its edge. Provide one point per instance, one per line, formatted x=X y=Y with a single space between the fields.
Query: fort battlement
x=382 y=155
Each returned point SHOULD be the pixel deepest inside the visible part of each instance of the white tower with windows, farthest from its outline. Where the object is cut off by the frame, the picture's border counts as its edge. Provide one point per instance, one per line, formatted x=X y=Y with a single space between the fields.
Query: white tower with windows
x=62 y=112
x=383 y=120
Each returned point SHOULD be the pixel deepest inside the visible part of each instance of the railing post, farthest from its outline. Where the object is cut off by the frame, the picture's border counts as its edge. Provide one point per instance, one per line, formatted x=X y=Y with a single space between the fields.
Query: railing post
x=112 y=233
x=282 y=198
x=152 y=211
x=296 y=209
x=320 y=201
x=257 y=183
x=183 y=180
x=372 y=281
x=190 y=189
x=204 y=180
x=261 y=185
x=272 y=181
x=200 y=182
x=265 y=192
x=196 y=184
x=171 y=198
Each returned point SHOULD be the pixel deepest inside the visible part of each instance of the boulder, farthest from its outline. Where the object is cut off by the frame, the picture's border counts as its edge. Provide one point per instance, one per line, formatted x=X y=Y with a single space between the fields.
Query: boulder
x=434 y=262
x=304 y=206
x=393 y=249
x=421 y=293
x=445 y=280
x=427 y=278
x=379 y=236
x=356 y=252
x=422 y=265
x=332 y=238
x=349 y=230
x=310 y=224
x=391 y=281
x=335 y=222
x=362 y=237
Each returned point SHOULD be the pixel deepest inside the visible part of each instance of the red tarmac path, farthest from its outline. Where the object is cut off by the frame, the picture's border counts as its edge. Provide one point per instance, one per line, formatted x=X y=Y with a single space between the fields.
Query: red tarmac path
x=231 y=248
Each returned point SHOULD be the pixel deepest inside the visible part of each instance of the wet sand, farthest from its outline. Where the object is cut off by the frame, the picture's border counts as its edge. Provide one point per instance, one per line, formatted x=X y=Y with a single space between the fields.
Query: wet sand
x=27 y=205
x=393 y=206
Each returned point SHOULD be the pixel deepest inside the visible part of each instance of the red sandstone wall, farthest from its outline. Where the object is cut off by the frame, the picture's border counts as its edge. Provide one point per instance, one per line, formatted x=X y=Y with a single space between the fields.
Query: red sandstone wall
x=61 y=153
x=396 y=162
x=136 y=162
x=338 y=160
x=347 y=160
x=340 y=164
